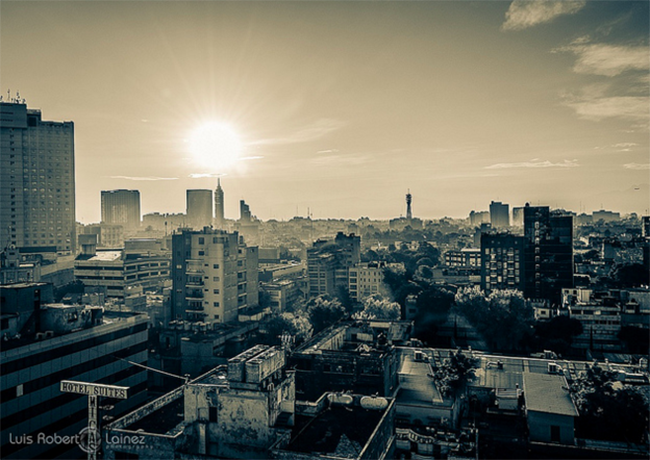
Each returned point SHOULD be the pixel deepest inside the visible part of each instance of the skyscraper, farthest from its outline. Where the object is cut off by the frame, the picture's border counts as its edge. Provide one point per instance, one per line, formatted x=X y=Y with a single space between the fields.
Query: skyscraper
x=121 y=207
x=499 y=214
x=199 y=208
x=37 y=188
x=218 y=206
x=548 y=257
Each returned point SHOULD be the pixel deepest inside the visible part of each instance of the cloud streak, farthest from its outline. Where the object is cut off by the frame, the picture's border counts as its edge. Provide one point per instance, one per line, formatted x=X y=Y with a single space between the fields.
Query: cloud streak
x=637 y=166
x=535 y=164
x=524 y=14
x=316 y=130
x=607 y=60
x=599 y=108
x=147 y=178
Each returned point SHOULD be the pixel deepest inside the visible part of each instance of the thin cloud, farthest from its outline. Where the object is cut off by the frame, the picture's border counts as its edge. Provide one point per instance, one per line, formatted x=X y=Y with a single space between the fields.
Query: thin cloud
x=524 y=14
x=607 y=60
x=250 y=158
x=625 y=145
x=202 y=175
x=637 y=166
x=599 y=108
x=535 y=164
x=316 y=130
x=148 y=178
x=328 y=151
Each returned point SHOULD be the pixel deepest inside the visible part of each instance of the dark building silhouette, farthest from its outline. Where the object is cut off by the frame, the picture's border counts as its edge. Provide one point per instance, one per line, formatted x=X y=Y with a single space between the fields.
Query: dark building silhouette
x=219 y=206
x=409 y=214
x=502 y=261
x=37 y=181
x=548 y=257
x=499 y=214
x=199 y=208
x=244 y=212
x=121 y=207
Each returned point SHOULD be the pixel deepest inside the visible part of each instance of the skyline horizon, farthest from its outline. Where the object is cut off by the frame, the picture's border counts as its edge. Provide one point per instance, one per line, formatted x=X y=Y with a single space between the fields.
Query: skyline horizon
x=341 y=107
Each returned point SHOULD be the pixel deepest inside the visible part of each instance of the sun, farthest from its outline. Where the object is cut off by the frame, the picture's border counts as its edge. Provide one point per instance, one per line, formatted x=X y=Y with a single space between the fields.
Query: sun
x=215 y=146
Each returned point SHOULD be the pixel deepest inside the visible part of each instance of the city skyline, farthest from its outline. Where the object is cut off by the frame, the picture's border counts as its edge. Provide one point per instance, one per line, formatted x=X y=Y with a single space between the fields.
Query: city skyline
x=343 y=107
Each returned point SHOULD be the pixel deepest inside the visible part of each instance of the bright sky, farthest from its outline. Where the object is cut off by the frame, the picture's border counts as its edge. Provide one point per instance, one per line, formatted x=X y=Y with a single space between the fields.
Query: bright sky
x=341 y=107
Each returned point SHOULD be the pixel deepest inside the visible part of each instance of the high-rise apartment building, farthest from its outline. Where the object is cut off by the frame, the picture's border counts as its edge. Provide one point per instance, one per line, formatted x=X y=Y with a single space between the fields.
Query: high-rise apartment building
x=502 y=261
x=214 y=276
x=199 y=208
x=499 y=214
x=121 y=207
x=329 y=263
x=37 y=188
x=548 y=253
x=220 y=220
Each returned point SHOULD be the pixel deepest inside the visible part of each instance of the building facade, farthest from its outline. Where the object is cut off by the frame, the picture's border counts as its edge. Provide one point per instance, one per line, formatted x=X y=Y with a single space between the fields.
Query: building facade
x=499 y=214
x=548 y=257
x=47 y=343
x=502 y=261
x=121 y=207
x=37 y=180
x=214 y=276
x=199 y=208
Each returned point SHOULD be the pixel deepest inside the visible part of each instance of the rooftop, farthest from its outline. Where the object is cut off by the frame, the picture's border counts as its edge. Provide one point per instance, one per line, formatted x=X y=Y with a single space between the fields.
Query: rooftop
x=338 y=431
x=548 y=393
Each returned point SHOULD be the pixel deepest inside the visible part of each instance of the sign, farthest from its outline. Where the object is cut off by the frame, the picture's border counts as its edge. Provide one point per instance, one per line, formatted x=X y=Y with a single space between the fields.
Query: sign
x=94 y=389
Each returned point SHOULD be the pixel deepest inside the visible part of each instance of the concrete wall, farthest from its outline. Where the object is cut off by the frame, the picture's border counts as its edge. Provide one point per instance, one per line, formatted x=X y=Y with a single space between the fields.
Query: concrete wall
x=539 y=426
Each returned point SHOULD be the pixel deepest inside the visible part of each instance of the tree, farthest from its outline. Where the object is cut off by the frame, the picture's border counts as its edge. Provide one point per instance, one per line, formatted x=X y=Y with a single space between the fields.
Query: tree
x=288 y=323
x=454 y=372
x=323 y=312
x=377 y=307
x=433 y=304
x=557 y=333
x=608 y=409
x=630 y=275
x=504 y=318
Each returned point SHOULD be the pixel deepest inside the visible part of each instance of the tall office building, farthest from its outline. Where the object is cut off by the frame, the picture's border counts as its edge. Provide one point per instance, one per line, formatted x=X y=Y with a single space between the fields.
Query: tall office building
x=214 y=276
x=244 y=212
x=45 y=343
x=37 y=189
x=199 y=208
x=499 y=214
x=219 y=206
x=121 y=207
x=548 y=258
x=502 y=261
x=518 y=216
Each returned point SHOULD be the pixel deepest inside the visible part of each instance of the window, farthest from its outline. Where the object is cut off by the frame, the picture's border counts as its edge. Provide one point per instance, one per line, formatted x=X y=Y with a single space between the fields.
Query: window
x=555 y=433
x=213 y=414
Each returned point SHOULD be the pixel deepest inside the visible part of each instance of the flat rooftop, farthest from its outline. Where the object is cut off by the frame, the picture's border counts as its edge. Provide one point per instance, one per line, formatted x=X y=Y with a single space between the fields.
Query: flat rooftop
x=548 y=393
x=337 y=431
x=416 y=384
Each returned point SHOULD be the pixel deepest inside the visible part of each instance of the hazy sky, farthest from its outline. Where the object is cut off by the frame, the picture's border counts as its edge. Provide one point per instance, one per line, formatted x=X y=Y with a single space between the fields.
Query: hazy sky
x=344 y=106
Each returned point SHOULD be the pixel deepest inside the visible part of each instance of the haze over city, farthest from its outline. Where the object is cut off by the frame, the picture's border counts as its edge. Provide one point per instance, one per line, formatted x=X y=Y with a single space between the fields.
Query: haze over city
x=341 y=107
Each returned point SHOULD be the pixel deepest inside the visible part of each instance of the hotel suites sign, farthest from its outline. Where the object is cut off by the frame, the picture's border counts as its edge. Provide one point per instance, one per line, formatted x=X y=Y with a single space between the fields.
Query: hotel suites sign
x=94 y=389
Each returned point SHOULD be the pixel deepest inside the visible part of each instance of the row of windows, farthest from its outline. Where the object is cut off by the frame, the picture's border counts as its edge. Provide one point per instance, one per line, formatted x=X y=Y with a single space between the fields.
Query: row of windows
x=42 y=357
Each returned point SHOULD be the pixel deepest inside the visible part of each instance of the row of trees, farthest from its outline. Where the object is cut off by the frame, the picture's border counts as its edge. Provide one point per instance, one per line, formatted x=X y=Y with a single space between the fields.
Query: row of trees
x=307 y=318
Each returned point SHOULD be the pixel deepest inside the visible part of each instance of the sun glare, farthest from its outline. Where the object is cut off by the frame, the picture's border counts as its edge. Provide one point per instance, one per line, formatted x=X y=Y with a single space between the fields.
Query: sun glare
x=215 y=146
